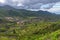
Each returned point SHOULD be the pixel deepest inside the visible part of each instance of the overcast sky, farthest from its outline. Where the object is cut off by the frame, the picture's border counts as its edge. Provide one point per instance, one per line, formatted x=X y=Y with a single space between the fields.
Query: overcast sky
x=49 y=5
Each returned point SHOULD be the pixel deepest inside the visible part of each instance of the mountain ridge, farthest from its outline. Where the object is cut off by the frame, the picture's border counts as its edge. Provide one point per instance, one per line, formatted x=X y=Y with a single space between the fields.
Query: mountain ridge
x=8 y=11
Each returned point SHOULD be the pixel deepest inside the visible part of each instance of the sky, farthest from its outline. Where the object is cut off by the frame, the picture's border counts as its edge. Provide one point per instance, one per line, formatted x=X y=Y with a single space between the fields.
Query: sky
x=2 y=1
x=45 y=5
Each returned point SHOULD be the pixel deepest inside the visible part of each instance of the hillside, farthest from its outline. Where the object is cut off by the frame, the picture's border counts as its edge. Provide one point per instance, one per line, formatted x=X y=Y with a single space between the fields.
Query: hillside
x=21 y=24
x=29 y=30
x=8 y=11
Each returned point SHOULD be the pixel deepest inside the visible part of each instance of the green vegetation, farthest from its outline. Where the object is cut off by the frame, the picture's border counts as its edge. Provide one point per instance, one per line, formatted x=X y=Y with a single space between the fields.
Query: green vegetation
x=20 y=24
x=30 y=31
x=26 y=14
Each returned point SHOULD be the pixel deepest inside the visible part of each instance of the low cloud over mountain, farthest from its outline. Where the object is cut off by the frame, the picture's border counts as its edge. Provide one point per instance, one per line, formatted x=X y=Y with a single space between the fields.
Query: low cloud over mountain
x=31 y=4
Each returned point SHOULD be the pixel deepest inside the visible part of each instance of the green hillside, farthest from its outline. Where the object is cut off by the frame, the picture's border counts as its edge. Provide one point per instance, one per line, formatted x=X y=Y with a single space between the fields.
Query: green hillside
x=7 y=11
x=20 y=24
x=30 y=31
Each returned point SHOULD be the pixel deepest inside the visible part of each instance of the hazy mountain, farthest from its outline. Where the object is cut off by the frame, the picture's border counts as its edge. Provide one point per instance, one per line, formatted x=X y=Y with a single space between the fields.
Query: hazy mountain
x=8 y=11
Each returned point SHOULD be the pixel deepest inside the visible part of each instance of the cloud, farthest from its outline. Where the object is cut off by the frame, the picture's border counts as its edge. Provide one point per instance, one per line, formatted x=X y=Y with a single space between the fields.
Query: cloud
x=31 y=4
x=55 y=8
x=2 y=1
x=37 y=4
x=47 y=6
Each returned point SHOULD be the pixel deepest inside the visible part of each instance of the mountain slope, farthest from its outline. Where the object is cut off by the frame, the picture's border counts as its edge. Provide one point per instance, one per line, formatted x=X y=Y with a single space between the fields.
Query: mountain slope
x=8 y=11
x=36 y=25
